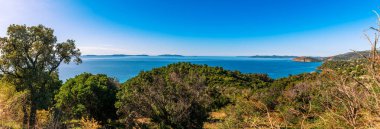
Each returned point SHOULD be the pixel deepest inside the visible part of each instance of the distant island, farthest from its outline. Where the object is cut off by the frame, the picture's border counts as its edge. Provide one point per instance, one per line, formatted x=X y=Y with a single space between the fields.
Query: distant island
x=271 y=56
x=117 y=55
x=306 y=59
x=341 y=57
x=171 y=55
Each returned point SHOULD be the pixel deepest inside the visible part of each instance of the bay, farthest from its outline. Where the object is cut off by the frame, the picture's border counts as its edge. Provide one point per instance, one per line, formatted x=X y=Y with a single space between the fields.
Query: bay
x=126 y=67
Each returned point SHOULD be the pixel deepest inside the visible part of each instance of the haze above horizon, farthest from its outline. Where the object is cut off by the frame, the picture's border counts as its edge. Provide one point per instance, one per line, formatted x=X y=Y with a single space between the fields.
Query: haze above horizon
x=200 y=27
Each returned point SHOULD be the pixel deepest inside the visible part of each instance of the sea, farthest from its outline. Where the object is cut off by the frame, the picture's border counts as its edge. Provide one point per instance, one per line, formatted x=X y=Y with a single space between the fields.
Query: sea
x=125 y=67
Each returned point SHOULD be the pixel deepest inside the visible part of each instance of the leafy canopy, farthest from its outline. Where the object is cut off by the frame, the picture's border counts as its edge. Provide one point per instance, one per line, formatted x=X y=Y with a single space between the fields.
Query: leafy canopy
x=30 y=57
x=88 y=95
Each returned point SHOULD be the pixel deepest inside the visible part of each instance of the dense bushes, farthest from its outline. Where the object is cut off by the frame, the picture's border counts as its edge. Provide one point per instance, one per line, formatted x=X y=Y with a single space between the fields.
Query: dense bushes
x=343 y=95
x=88 y=95
x=179 y=95
x=183 y=95
x=174 y=101
x=353 y=68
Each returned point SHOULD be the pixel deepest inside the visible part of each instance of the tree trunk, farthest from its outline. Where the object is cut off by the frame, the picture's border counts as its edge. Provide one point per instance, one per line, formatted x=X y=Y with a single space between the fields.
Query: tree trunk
x=32 y=117
x=33 y=110
x=25 y=117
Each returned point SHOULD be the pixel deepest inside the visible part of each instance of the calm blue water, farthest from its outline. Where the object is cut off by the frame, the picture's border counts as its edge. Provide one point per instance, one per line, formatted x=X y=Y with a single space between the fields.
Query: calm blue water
x=125 y=67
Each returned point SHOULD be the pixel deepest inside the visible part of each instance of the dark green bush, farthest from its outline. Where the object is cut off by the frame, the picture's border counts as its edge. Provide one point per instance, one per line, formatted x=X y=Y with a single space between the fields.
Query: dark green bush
x=88 y=95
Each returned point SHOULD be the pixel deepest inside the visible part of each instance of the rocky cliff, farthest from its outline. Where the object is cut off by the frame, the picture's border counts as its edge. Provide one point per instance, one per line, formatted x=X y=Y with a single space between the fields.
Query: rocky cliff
x=306 y=59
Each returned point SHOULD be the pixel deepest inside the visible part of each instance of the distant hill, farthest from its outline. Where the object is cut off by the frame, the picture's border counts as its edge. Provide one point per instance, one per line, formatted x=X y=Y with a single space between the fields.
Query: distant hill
x=272 y=56
x=171 y=55
x=349 y=56
x=117 y=55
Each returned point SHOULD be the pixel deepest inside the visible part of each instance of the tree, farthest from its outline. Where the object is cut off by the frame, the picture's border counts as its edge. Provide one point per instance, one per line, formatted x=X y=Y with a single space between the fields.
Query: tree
x=88 y=95
x=30 y=57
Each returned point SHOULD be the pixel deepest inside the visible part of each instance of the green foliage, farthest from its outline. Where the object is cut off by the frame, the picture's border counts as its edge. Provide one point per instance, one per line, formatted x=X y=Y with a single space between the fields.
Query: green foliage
x=285 y=103
x=245 y=112
x=181 y=95
x=343 y=95
x=353 y=68
x=88 y=95
x=29 y=58
x=269 y=95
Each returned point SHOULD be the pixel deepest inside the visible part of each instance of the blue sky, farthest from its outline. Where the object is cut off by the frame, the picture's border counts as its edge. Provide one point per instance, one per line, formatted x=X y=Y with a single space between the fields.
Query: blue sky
x=201 y=27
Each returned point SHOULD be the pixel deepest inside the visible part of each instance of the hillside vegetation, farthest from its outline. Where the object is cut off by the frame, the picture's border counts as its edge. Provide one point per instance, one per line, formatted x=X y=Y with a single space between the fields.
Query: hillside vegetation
x=350 y=56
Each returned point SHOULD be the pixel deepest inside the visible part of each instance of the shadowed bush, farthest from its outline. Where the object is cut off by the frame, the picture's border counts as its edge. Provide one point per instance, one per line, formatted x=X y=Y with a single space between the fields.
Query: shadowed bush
x=88 y=95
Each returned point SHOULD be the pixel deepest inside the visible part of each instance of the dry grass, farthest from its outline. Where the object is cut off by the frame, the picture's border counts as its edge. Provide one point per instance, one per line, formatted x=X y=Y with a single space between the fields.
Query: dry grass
x=218 y=115
x=87 y=123
x=10 y=106
x=215 y=118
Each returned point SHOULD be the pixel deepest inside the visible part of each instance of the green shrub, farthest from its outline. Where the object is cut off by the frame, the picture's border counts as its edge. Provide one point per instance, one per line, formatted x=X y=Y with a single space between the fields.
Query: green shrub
x=88 y=95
